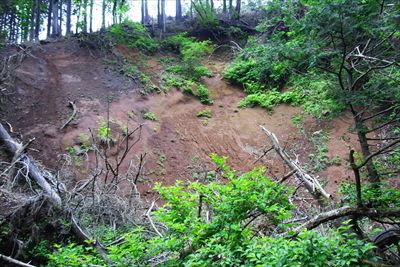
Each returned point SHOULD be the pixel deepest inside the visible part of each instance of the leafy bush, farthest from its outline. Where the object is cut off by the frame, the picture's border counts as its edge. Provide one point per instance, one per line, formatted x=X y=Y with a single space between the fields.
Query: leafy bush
x=74 y=256
x=381 y=196
x=191 y=52
x=189 y=87
x=228 y=237
x=150 y=116
x=271 y=98
x=206 y=17
x=134 y=35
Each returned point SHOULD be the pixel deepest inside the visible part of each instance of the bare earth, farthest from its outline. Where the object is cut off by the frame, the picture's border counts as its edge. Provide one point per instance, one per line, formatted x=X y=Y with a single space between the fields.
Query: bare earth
x=179 y=142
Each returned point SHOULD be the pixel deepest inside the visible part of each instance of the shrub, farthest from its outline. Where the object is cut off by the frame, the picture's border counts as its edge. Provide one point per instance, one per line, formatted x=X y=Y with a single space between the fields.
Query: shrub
x=134 y=35
x=150 y=116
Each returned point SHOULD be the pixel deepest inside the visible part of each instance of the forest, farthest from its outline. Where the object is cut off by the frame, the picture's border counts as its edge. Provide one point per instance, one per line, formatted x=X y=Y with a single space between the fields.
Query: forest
x=199 y=133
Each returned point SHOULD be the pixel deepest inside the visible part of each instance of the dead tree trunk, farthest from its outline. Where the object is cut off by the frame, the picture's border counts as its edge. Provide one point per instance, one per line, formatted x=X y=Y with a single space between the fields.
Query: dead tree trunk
x=311 y=183
x=17 y=151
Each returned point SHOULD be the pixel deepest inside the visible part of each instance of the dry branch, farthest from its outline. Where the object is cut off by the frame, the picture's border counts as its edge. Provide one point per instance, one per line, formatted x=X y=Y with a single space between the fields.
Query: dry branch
x=35 y=173
x=343 y=212
x=14 y=261
x=73 y=106
x=310 y=182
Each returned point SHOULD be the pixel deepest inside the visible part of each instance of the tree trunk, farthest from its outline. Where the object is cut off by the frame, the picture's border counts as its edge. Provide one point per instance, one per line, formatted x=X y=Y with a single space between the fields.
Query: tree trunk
x=32 y=24
x=224 y=6
x=55 y=18
x=60 y=17
x=69 y=11
x=373 y=176
x=84 y=28
x=159 y=23
x=103 y=15
x=49 y=18
x=114 y=12
x=238 y=8
x=146 y=11
x=178 y=9
x=164 y=17
x=78 y=16
x=38 y=13
x=91 y=17
x=212 y=4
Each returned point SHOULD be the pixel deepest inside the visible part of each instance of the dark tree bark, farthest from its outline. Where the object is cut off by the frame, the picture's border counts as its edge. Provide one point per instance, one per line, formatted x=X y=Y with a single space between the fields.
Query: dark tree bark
x=224 y=6
x=114 y=11
x=178 y=14
x=159 y=23
x=146 y=11
x=55 y=28
x=238 y=8
x=69 y=11
x=212 y=4
x=38 y=14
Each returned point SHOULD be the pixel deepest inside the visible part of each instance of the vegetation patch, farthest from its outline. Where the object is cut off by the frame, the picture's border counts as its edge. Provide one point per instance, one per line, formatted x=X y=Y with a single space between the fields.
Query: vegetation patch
x=133 y=35
x=150 y=116
x=206 y=113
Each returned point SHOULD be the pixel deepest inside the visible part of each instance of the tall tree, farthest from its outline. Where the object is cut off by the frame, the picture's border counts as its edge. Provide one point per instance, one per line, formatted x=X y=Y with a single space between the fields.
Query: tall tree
x=49 y=18
x=163 y=16
x=85 y=15
x=32 y=24
x=238 y=8
x=55 y=26
x=224 y=6
x=69 y=13
x=178 y=10
x=38 y=22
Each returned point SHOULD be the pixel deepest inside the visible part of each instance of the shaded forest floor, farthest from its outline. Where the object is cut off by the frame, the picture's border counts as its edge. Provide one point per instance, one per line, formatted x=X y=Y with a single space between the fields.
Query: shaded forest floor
x=179 y=143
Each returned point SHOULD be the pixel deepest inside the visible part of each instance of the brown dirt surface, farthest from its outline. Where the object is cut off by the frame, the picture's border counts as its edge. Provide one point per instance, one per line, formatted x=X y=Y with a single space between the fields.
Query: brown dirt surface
x=179 y=143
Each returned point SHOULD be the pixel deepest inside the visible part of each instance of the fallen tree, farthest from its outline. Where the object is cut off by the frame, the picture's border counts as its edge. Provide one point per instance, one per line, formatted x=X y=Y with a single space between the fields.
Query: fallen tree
x=310 y=182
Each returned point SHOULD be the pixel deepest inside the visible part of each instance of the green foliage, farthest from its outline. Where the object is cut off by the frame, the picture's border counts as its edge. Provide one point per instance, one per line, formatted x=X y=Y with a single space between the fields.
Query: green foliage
x=337 y=248
x=74 y=256
x=378 y=196
x=189 y=87
x=104 y=131
x=191 y=69
x=134 y=35
x=191 y=52
x=150 y=116
x=320 y=159
x=227 y=237
x=206 y=113
x=206 y=17
x=133 y=72
x=271 y=98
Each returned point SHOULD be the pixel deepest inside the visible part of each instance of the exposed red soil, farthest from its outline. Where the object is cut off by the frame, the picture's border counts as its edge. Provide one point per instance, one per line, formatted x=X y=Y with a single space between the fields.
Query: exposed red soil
x=178 y=141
